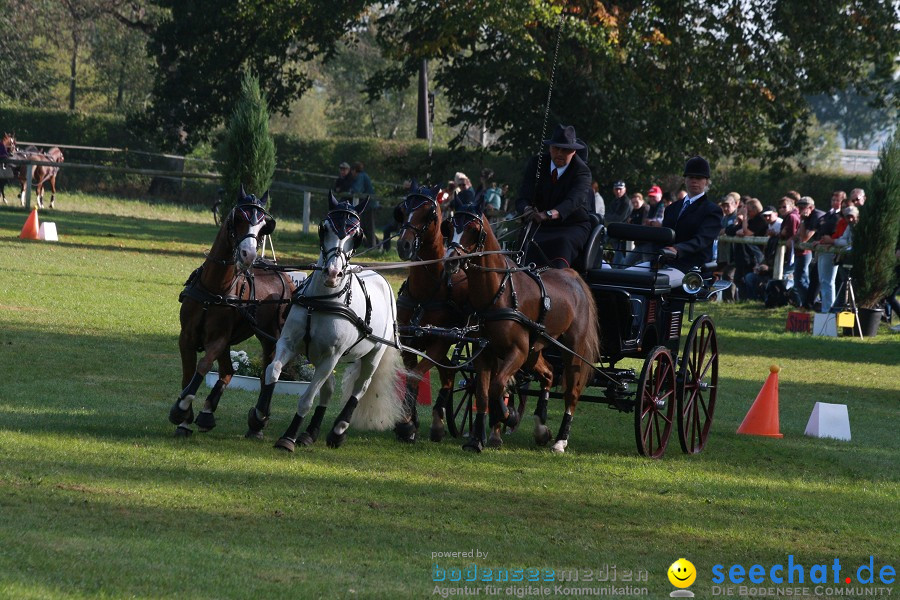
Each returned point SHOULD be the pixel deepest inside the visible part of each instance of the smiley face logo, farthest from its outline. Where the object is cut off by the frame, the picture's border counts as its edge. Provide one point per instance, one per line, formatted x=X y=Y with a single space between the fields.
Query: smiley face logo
x=682 y=573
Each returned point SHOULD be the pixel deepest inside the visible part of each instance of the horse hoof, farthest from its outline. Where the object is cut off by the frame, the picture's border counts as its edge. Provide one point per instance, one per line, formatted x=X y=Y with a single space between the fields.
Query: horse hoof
x=177 y=415
x=512 y=420
x=559 y=447
x=335 y=440
x=183 y=432
x=205 y=421
x=306 y=439
x=254 y=434
x=494 y=441
x=542 y=436
x=406 y=432
x=438 y=433
x=473 y=445
x=286 y=444
x=254 y=423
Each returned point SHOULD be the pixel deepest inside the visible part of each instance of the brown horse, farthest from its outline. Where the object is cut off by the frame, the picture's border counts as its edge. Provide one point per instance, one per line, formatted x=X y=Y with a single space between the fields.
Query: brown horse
x=428 y=297
x=521 y=311
x=43 y=173
x=224 y=302
x=7 y=150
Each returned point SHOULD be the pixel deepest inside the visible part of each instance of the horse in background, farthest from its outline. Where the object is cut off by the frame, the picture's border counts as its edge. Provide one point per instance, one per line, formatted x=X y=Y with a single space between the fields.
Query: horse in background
x=338 y=316
x=225 y=301
x=520 y=309
x=8 y=149
x=43 y=173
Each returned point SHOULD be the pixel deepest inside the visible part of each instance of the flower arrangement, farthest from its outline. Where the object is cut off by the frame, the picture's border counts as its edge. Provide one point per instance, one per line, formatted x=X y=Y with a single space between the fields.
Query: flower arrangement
x=298 y=369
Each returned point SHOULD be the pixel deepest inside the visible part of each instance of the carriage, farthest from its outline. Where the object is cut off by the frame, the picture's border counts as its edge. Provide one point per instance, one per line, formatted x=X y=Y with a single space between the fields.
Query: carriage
x=640 y=316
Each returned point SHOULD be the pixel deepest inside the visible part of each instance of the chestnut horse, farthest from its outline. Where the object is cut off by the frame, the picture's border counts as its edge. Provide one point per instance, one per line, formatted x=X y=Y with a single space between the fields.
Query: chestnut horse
x=44 y=172
x=428 y=297
x=7 y=150
x=521 y=312
x=226 y=301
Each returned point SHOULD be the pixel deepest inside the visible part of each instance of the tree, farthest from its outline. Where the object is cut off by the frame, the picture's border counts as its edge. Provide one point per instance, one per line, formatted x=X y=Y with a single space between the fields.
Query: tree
x=875 y=237
x=204 y=45
x=646 y=84
x=852 y=114
x=20 y=59
x=248 y=151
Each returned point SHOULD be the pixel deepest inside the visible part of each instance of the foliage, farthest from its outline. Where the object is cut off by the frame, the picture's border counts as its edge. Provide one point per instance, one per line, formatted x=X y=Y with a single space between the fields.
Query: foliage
x=645 y=84
x=203 y=47
x=22 y=80
x=877 y=235
x=770 y=186
x=103 y=503
x=247 y=152
x=861 y=118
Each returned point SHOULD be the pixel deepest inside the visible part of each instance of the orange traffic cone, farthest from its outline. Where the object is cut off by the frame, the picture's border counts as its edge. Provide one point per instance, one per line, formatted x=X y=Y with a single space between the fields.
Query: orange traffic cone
x=30 y=230
x=762 y=418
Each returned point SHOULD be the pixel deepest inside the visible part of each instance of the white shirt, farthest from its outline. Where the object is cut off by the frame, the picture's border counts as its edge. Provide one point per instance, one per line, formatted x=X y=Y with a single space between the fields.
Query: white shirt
x=559 y=170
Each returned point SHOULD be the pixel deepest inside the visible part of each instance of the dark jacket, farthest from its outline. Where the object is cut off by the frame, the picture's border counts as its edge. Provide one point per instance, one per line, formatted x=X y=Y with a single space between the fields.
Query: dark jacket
x=695 y=231
x=569 y=195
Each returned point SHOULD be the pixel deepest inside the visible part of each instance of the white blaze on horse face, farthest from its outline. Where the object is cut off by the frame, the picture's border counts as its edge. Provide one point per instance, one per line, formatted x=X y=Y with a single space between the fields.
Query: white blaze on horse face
x=245 y=253
x=334 y=267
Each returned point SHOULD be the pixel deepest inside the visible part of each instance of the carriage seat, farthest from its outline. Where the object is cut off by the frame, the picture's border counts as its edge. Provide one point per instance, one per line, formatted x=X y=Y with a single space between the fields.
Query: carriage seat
x=630 y=280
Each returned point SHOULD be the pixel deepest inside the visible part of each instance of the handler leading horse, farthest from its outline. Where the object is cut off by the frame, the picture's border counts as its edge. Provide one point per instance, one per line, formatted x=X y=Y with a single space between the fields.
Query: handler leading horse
x=521 y=311
x=339 y=316
x=226 y=301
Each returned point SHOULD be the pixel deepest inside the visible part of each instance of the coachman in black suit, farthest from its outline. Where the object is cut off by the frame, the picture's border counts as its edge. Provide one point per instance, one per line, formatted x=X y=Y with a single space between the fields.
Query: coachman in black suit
x=696 y=219
x=557 y=200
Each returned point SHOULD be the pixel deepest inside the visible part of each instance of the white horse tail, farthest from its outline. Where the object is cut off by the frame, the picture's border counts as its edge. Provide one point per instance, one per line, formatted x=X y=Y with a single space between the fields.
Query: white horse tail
x=381 y=407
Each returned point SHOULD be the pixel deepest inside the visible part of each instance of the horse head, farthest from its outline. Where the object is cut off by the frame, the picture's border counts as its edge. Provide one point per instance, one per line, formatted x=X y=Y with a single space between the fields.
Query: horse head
x=9 y=142
x=340 y=234
x=418 y=215
x=466 y=232
x=246 y=223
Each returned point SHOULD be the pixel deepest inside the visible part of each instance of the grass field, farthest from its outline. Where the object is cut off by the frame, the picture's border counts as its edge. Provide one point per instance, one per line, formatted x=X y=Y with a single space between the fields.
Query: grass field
x=98 y=500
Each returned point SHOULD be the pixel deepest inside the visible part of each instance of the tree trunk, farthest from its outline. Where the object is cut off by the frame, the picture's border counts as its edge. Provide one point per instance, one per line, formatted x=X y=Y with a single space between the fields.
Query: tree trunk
x=72 y=71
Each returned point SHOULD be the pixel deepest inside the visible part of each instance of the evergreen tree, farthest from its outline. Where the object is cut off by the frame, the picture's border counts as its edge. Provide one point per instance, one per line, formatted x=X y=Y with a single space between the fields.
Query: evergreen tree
x=875 y=238
x=248 y=151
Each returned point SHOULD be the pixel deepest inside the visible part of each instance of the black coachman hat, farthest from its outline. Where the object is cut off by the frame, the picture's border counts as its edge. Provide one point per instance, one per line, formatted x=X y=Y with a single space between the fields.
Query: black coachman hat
x=696 y=167
x=564 y=137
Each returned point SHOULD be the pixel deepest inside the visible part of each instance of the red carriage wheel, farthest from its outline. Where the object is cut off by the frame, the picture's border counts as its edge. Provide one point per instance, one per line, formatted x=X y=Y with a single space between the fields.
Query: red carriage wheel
x=698 y=380
x=654 y=408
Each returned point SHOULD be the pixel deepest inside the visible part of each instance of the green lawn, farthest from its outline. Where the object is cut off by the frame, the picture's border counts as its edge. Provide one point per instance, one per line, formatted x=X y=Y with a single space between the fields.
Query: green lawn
x=98 y=500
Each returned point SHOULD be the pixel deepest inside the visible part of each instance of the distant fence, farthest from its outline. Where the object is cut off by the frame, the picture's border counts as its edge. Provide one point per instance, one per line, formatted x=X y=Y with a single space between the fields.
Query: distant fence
x=295 y=199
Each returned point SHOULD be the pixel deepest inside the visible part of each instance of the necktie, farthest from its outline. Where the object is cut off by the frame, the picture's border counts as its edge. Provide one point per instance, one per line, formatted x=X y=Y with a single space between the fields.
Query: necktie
x=684 y=207
x=554 y=176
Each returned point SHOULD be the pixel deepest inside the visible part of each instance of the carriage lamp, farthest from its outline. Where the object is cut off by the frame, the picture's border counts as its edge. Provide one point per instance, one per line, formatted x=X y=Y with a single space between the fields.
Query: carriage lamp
x=692 y=282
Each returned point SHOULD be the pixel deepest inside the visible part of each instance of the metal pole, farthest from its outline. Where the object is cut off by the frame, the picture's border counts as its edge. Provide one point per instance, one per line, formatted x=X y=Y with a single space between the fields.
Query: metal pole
x=307 y=200
x=779 y=263
x=28 y=171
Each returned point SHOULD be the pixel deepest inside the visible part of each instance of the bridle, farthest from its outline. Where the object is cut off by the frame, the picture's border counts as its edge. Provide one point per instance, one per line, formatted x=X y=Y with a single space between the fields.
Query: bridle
x=407 y=224
x=340 y=220
x=464 y=219
x=253 y=213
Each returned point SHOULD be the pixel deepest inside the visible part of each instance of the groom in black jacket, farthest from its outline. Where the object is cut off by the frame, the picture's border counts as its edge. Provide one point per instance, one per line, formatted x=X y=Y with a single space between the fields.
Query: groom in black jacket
x=696 y=219
x=554 y=195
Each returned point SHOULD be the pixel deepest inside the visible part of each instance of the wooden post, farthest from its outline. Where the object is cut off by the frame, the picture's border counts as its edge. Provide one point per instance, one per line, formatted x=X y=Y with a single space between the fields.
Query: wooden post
x=307 y=200
x=28 y=172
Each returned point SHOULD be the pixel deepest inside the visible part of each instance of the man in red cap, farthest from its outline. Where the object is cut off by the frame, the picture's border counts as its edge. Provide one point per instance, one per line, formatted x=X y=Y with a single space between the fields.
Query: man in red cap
x=657 y=208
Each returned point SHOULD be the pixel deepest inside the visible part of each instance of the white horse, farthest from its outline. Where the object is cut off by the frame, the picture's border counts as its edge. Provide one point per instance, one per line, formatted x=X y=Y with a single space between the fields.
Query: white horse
x=339 y=316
